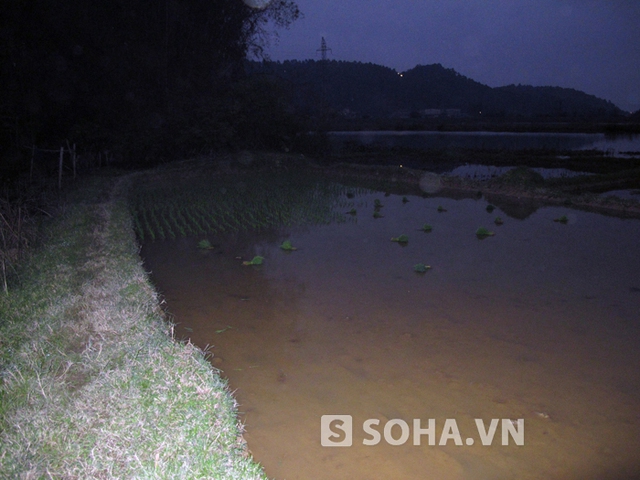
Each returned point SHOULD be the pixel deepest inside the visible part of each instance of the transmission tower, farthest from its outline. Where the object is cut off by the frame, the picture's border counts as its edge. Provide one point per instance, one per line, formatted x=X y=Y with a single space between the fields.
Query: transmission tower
x=323 y=49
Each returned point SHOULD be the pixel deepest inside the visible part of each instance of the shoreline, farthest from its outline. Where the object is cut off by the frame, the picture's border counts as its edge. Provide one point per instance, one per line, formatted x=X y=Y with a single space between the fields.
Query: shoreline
x=456 y=186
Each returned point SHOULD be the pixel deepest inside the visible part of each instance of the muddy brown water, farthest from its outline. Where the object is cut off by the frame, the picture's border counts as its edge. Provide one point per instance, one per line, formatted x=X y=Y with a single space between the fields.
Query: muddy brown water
x=540 y=322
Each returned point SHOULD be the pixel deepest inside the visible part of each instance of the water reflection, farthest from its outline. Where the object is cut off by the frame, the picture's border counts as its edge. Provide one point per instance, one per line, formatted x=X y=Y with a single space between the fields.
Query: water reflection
x=490 y=140
x=487 y=172
x=539 y=322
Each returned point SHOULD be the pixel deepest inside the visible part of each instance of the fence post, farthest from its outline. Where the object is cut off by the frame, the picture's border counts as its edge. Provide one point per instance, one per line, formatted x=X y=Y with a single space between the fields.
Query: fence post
x=72 y=154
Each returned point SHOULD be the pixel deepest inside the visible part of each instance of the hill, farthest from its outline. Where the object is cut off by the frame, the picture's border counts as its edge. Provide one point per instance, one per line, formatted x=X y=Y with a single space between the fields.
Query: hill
x=366 y=90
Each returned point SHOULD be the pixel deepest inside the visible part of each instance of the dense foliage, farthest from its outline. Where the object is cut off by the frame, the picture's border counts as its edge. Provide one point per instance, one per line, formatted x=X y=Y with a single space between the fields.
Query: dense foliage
x=139 y=78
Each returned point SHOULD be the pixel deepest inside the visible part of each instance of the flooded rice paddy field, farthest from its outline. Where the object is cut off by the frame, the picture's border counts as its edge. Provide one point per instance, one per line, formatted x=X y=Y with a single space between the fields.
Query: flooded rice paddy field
x=540 y=322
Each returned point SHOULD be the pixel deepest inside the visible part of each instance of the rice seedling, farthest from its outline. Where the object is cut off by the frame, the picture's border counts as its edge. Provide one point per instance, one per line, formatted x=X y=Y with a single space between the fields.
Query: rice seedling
x=490 y=208
x=562 y=219
x=483 y=233
x=199 y=228
x=498 y=221
x=426 y=228
x=377 y=204
x=167 y=224
x=377 y=214
x=173 y=218
x=400 y=239
x=421 y=268
x=147 y=226
x=286 y=245
x=441 y=209
x=353 y=211
x=405 y=200
x=200 y=215
x=190 y=226
x=158 y=227
x=205 y=244
x=257 y=260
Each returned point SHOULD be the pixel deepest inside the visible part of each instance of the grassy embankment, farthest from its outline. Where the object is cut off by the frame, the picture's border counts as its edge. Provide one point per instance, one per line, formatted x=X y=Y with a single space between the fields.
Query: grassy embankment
x=93 y=385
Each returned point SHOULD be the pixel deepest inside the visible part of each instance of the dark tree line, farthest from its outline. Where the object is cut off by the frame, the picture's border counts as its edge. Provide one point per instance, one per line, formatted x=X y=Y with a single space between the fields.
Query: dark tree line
x=144 y=78
x=373 y=91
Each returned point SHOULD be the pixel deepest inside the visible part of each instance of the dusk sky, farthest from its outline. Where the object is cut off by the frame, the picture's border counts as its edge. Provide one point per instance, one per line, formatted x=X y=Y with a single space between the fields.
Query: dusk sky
x=589 y=45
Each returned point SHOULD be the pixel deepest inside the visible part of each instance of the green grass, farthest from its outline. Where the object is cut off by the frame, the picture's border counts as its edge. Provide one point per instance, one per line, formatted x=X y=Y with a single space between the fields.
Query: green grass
x=93 y=384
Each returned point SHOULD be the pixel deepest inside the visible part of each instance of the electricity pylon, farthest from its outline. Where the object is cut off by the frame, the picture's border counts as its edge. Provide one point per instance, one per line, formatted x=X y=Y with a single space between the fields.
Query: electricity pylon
x=323 y=49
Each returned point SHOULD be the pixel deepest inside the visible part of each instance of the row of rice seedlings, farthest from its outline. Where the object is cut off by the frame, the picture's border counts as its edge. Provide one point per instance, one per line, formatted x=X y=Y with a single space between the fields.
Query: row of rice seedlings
x=186 y=228
x=156 y=225
x=200 y=213
x=173 y=219
x=194 y=222
x=167 y=225
x=215 y=208
x=147 y=227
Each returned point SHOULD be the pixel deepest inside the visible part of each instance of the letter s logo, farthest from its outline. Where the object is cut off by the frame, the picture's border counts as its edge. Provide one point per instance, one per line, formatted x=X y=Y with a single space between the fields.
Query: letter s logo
x=334 y=427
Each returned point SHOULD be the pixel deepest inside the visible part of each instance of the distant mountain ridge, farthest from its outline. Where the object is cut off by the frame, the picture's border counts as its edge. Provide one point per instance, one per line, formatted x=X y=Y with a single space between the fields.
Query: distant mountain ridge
x=366 y=90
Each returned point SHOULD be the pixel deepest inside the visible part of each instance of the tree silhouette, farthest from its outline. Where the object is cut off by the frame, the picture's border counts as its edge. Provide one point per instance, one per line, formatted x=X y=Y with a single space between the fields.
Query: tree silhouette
x=133 y=75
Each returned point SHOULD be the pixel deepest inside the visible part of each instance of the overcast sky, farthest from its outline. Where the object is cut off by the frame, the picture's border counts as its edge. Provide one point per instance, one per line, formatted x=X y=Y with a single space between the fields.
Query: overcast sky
x=590 y=45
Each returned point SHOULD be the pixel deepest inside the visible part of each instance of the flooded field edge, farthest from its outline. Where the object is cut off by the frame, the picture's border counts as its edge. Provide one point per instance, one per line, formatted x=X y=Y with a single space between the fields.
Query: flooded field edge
x=243 y=309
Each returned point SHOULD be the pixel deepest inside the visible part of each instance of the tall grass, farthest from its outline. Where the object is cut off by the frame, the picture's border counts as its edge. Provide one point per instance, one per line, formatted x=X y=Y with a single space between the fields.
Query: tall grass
x=17 y=234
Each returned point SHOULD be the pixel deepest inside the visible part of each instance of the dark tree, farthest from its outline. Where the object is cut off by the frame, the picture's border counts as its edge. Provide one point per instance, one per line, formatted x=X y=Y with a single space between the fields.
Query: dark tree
x=142 y=77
